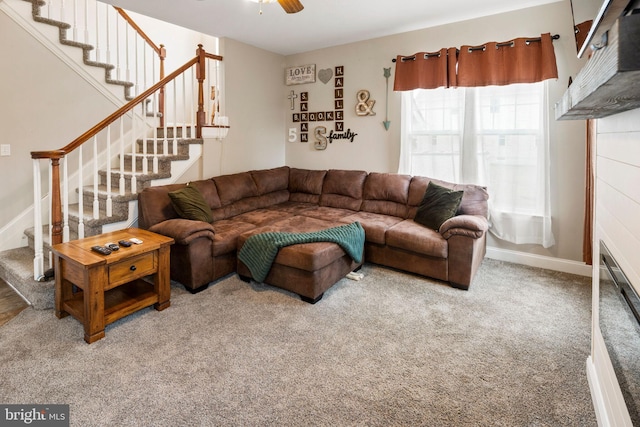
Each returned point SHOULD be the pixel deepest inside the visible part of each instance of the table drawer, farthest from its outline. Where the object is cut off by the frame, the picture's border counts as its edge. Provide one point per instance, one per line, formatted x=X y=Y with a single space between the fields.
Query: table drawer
x=131 y=269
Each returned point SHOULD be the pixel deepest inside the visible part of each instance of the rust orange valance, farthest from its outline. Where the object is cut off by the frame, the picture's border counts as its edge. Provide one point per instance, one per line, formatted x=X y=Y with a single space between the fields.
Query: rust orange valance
x=425 y=70
x=522 y=60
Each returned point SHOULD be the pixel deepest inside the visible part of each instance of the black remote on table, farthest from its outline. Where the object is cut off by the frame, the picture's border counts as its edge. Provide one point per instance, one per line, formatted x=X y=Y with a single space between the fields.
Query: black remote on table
x=101 y=250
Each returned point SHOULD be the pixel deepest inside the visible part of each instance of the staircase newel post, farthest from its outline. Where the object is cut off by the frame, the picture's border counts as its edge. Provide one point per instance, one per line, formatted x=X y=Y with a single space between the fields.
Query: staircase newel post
x=200 y=76
x=162 y=54
x=56 y=204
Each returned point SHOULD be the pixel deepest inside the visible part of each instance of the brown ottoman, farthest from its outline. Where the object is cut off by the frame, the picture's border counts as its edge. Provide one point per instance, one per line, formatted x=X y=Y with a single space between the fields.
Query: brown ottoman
x=307 y=269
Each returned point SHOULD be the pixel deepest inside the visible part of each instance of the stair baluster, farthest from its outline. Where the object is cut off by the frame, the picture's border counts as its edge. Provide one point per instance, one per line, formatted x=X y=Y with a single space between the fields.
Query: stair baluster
x=134 y=146
x=80 y=192
x=96 y=201
x=121 y=183
x=65 y=199
x=109 y=203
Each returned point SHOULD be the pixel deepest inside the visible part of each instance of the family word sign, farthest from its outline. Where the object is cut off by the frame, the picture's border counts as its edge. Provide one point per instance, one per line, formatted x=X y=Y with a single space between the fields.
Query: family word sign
x=322 y=137
x=300 y=74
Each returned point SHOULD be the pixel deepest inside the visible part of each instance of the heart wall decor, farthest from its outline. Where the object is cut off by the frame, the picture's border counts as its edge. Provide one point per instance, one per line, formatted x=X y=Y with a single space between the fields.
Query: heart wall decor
x=325 y=75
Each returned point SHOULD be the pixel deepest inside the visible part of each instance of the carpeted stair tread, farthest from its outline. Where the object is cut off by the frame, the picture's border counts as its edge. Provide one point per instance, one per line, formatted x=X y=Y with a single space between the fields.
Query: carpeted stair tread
x=16 y=267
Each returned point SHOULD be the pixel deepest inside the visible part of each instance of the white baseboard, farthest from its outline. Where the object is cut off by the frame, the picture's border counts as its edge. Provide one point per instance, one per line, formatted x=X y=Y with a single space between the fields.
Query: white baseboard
x=596 y=394
x=540 y=261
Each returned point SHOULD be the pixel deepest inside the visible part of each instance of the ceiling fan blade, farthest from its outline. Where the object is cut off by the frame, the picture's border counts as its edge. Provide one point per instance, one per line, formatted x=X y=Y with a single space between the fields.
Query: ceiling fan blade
x=291 y=6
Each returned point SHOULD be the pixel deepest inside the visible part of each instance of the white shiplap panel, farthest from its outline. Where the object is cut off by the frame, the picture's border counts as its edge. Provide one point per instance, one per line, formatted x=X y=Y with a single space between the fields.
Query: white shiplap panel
x=622 y=176
x=618 y=123
x=623 y=208
x=622 y=147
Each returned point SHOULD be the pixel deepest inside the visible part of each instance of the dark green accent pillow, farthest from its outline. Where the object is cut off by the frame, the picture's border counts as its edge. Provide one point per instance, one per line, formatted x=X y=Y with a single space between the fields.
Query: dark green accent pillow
x=438 y=205
x=190 y=204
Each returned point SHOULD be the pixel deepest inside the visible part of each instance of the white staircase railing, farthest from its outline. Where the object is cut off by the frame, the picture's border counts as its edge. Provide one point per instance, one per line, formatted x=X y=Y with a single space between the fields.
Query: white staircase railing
x=117 y=157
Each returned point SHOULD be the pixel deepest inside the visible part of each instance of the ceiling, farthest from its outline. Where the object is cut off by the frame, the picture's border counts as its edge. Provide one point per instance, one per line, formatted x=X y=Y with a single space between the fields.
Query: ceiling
x=322 y=23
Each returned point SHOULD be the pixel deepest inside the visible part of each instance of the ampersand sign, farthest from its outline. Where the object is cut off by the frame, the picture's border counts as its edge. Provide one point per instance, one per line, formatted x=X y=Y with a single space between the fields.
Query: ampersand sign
x=365 y=106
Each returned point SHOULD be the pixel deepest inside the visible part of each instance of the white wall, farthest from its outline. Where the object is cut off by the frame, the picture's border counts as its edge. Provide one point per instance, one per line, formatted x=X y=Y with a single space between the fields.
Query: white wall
x=375 y=149
x=254 y=107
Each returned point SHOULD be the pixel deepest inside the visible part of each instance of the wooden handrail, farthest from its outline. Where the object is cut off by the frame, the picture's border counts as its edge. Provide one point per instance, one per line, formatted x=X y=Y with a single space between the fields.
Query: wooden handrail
x=158 y=49
x=113 y=117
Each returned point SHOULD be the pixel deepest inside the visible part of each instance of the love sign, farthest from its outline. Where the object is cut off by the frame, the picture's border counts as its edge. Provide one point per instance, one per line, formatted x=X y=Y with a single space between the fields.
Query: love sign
x=300 y=74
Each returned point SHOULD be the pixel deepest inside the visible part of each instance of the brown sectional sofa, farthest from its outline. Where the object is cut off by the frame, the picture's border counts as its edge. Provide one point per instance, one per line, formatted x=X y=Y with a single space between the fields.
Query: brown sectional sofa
x=287 y=198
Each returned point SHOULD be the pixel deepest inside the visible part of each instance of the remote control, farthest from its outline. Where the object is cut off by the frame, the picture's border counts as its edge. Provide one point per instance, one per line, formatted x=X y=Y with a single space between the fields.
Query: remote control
x=112 y=246
x=101 y=250
x=136 y=241
x=124 y=243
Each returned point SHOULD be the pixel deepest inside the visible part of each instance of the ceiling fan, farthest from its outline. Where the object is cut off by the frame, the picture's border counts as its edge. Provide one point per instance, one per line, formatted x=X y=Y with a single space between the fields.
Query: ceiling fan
x=289 y=6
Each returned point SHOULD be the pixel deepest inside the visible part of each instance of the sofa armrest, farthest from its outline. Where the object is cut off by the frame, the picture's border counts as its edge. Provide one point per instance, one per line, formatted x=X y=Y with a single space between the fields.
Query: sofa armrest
x=183 y=231
x=474 y=226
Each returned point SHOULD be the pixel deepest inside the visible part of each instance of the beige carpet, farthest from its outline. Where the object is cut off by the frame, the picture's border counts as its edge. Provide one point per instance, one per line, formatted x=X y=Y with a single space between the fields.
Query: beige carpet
x=389 y=350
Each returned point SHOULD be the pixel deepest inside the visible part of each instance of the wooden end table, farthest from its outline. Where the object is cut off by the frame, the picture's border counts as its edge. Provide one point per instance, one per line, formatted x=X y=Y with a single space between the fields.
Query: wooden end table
x=110 y=287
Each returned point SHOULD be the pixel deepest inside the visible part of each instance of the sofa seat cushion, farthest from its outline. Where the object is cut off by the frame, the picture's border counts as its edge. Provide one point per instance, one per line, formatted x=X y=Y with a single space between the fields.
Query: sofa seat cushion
x=411 y=236
x=261 y=217
x=226 y=235
x=327 y=213
x=304 y=256
x=375 y=225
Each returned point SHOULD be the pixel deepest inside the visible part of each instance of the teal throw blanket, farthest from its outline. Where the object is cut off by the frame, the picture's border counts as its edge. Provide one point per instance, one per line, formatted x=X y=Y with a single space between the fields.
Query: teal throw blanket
x=259 y=250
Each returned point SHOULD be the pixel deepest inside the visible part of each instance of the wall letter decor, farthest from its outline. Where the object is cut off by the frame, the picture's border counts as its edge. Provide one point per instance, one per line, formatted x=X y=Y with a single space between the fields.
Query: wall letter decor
x=364 y=106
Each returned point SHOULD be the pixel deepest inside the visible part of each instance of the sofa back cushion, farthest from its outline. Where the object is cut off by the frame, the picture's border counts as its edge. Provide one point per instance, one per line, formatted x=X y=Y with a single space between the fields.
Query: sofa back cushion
x=343 y=189
x=154 y=203
x=208 y=189
x=271 y=180
x=305 y=185
x=474 y=200
x=235 y=191
x=386 y=193
x=235 y=187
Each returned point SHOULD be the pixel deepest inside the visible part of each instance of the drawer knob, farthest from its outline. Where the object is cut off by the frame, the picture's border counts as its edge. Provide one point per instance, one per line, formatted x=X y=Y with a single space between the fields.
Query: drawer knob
x=132 y=268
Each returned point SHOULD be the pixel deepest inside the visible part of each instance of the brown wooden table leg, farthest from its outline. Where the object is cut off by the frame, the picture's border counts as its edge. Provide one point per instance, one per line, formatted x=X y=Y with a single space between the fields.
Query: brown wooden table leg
x=162 y=281
x=63 y=288
x=94 y=304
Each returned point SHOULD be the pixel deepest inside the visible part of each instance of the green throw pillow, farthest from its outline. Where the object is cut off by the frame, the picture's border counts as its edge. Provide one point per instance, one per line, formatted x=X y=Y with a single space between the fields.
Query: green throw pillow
x=438 y=205
x=190 y=204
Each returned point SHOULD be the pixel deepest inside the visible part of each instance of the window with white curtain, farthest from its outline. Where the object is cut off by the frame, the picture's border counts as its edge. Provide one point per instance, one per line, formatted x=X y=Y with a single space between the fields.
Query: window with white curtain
x=494 y=136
